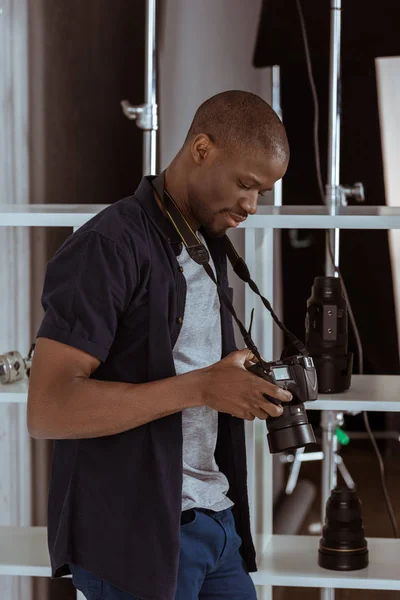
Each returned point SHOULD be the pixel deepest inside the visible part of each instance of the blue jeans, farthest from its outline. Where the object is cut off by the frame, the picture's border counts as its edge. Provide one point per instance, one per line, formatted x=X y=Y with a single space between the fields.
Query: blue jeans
x=210 y=565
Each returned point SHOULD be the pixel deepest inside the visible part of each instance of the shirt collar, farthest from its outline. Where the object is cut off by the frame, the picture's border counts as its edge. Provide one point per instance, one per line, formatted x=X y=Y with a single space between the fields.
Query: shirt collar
x=145 y=196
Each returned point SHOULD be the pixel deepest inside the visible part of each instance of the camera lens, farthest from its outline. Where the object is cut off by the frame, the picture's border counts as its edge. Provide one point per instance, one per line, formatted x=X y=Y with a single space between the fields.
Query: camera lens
x=343 y=546
x=327 y=335
x=291 y=430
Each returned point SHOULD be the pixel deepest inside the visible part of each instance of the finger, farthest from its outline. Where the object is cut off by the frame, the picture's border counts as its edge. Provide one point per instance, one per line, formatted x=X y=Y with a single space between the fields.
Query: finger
x=264 y=411
x=249 y=417
x=250 y=363
x=276 y=392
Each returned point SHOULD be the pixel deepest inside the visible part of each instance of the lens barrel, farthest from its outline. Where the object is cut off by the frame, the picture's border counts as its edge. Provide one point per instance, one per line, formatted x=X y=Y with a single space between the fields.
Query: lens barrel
x=343 y=546
x=291 y=430
x=327 y=335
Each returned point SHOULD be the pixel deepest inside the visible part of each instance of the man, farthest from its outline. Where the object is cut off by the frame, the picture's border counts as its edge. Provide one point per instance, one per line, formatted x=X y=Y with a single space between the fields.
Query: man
x=136 y=378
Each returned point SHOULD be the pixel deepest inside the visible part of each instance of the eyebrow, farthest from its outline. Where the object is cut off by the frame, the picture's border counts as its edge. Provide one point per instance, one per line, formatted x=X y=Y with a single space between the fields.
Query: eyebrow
x=255 y=180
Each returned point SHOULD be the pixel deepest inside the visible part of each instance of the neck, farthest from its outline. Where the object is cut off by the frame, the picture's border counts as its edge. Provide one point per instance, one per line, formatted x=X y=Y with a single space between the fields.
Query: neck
x=176 y=186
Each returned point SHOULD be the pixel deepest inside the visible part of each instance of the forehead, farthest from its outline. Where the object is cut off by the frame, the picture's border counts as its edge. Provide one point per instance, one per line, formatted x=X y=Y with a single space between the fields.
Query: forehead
x=258 y=167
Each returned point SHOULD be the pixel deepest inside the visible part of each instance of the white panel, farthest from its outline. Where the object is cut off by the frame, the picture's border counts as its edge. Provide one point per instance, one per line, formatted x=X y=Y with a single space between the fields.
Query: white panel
x=206 y=50
x=388 y=81
x=14 y=250
x=263 y=327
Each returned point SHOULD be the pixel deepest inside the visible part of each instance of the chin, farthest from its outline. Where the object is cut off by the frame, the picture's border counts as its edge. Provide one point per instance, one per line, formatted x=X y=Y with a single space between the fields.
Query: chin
x=215 y=233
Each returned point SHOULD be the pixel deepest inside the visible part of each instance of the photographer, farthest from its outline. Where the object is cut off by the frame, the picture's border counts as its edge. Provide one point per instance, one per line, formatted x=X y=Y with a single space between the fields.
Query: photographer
x=136 y=378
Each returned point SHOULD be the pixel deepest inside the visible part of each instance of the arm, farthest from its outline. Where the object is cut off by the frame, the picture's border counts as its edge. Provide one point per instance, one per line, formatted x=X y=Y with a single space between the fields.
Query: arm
x=63 y=403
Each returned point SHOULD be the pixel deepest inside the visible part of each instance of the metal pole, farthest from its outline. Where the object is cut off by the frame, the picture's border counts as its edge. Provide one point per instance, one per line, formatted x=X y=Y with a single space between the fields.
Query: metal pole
x=333 y=190
x=329 y=472
x=146 y=115
x=329 y=418
x=276 y=105
x=329 y=449
x=150 y=89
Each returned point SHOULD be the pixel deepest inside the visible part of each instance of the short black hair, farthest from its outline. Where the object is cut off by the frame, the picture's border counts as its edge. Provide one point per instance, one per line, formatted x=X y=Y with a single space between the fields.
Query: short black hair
x=241 y=122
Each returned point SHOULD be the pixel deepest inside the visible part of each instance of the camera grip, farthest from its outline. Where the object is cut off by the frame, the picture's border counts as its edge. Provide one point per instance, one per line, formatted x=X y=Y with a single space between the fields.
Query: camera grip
x=258 y=370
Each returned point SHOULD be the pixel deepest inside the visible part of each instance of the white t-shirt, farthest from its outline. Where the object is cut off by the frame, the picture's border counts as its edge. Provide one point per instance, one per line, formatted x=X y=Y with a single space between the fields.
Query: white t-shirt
x=199 y=345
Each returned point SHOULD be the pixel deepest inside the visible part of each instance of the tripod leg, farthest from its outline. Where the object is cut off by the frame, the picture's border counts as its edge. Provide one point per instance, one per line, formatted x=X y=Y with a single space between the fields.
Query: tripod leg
x=294 y=471
x=345 y=473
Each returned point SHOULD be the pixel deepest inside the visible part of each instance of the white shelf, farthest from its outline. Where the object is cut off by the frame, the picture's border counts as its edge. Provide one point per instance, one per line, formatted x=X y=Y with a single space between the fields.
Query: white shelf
x=14 y=392
x=368 y=392
x=285 y=560
x=48 y=215
x=277 y=217
x=321 y=217
x=23 y=551
x=292 y=561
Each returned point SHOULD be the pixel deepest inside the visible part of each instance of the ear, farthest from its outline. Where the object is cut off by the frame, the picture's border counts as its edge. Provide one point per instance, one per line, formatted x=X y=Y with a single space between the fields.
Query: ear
x=201 y=148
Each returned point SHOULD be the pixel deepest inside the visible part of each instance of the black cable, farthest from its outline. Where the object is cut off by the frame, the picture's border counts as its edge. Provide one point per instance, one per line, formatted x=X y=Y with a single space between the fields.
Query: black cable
x=315 y=99
x=388 y=502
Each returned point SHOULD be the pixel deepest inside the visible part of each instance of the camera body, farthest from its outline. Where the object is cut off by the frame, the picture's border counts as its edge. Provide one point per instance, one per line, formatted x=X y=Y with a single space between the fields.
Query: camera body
x=298 y=375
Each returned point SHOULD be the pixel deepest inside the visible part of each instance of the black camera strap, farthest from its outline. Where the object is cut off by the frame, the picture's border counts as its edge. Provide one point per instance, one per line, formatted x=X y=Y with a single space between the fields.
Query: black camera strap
x=242 y=271
x=199 y=253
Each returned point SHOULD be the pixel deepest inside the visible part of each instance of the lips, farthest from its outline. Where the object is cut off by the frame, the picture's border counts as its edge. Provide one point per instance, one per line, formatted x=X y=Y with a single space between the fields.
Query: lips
x=235 y=219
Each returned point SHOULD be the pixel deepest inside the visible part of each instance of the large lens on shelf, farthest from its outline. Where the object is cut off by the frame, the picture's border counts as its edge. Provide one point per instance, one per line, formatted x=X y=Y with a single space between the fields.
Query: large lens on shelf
x=343 y=546
x=327 y=335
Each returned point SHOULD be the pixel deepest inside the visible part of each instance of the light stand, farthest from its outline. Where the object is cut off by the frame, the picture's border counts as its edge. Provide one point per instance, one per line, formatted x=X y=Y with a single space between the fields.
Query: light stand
x=336 y=196
x=329 y=418
x=146 y=115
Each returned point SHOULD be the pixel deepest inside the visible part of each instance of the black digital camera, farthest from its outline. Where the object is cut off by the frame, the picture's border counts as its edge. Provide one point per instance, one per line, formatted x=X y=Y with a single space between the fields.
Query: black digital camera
x=298 y=375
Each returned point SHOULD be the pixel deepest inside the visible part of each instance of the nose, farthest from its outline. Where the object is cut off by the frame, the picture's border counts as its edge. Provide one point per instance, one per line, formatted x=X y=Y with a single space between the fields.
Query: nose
x=249 y=203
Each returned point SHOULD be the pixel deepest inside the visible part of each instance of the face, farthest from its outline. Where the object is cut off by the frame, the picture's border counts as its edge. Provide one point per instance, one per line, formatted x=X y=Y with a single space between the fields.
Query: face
x=223 y=190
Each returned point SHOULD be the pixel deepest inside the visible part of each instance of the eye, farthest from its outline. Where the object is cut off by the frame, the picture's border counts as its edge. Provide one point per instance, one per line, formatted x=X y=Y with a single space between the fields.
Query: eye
x=242 y=185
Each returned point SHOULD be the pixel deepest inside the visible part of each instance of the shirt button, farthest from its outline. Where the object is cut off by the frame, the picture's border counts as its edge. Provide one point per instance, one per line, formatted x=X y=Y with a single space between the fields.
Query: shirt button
x=179 y=320
x=181 y=269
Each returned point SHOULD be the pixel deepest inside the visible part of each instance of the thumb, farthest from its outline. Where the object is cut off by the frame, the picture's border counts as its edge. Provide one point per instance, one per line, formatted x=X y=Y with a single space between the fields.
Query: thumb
x=241 y=357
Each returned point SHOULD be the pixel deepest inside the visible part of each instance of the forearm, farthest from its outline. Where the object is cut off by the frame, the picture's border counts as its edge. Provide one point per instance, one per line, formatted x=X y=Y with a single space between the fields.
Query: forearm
x=89 y=408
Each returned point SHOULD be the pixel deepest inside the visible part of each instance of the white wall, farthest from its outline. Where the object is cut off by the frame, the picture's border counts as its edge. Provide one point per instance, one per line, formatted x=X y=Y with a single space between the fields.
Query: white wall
x=206 y=47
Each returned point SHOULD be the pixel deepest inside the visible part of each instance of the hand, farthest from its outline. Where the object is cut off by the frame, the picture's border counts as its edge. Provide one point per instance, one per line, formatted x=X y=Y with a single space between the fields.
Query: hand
x=230 y=388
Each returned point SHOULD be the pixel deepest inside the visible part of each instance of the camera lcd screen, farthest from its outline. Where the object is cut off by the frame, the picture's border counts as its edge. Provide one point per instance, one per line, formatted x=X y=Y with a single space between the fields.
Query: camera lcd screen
x=281 y=373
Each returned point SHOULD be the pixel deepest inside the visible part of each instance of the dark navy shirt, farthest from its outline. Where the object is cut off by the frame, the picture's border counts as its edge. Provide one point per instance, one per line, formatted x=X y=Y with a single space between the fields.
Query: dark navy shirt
x=115 y=291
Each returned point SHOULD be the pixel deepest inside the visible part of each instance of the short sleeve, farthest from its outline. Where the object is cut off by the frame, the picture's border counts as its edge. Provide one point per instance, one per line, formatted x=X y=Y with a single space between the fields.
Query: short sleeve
x=88 y=285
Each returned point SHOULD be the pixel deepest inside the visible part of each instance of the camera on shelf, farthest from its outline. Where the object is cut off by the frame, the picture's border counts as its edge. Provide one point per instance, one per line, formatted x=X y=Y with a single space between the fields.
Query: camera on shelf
x=13 y=367
x=298 y=375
